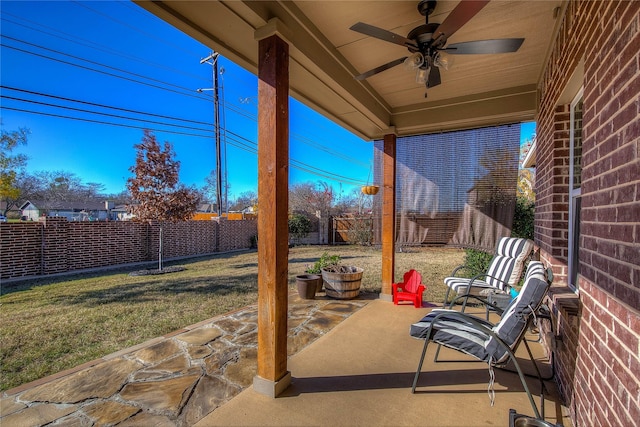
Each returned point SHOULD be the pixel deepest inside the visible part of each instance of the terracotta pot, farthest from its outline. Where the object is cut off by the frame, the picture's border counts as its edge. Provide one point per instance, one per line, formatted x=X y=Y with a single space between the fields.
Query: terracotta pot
x=307 y=285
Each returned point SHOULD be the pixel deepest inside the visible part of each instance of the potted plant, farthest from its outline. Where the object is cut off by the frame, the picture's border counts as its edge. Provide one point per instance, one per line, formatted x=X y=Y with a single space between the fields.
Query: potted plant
x=342 y=281
x=310 y=283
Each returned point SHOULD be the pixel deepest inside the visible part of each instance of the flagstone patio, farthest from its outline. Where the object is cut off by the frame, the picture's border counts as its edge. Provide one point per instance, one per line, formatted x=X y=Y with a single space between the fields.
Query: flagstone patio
x=357 y=372
x=173 y=380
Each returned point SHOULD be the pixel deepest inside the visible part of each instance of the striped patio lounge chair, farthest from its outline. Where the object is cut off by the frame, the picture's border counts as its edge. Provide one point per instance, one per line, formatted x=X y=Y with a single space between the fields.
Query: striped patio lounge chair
x=504 y=271
x=494 y=344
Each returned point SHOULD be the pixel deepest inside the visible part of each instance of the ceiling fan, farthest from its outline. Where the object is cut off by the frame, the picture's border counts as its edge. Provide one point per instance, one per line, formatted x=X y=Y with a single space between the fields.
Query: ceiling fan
x=427 y=42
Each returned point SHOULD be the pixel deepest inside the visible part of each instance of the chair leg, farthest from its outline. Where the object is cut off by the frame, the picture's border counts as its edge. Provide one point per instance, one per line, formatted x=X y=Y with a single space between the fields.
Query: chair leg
x=466 y=298
x=435 y=358
x=424 y=352
x=543 y=388
x=524 y=383
x=446 y=297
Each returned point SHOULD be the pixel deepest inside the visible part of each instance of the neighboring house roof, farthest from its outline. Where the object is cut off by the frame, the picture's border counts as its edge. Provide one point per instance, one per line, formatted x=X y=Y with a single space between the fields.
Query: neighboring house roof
x=206 y=207
x=67 y=205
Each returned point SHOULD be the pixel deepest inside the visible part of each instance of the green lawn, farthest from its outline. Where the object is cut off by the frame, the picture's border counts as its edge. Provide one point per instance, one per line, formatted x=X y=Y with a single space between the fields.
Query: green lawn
x=56 y=324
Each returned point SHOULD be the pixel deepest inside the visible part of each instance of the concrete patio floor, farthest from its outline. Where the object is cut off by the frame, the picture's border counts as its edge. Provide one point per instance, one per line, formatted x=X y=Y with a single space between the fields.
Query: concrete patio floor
x=352 y=363
x=360 y=373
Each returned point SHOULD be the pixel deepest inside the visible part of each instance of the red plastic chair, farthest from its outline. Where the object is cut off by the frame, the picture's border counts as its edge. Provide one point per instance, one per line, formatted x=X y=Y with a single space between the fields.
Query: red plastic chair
x=410 y=289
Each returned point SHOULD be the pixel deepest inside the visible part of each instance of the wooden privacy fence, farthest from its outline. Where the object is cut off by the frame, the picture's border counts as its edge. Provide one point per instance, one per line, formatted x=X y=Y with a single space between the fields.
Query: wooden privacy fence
x=56 y=245
x=355 y=229
x=411 y=229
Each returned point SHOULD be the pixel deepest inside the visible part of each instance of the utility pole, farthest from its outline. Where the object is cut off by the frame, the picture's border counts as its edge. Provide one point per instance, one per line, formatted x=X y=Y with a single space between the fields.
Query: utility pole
x=212 y=59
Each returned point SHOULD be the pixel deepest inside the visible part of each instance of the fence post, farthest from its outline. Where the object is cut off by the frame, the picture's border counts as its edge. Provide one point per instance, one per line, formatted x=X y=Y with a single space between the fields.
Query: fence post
x=55 y=244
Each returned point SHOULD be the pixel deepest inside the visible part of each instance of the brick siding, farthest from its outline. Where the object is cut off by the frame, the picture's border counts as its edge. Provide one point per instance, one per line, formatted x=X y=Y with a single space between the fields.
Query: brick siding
x=56 y=245
x=598 y=357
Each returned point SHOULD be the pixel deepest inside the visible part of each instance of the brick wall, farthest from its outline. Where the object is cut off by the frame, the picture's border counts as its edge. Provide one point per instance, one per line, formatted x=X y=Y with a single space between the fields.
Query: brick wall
x=237 y=234
x=552 y=197
x=607 y=372
x=21 y=247
x=598 y=357
x=55 y=245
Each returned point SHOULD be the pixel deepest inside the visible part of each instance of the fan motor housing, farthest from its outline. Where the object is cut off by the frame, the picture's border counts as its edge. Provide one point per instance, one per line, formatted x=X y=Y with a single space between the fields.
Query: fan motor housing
x=423 y=34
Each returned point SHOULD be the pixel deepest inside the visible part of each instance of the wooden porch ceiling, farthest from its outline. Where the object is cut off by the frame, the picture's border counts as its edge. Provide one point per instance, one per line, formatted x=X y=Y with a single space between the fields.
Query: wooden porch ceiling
x=477 y=90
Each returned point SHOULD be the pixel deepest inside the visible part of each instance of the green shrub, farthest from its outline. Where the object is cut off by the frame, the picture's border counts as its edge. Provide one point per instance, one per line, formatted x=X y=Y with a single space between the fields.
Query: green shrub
x=476 y=261
x=299 y=225
x=523 y=218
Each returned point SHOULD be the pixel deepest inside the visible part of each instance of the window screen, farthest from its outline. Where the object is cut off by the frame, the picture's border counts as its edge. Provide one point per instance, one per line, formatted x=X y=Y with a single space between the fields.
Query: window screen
x=454 y=188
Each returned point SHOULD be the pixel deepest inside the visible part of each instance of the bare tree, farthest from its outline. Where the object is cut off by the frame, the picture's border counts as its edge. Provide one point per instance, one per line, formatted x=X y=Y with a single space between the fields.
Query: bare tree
x=210 y=190
x=60 y=186
x=311 y=198
x=11 y=165
x=155 y=189
x=244 y=200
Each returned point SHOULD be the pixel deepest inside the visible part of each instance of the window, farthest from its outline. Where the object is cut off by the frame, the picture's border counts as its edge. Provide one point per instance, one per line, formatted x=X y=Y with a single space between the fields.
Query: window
x=575 y=182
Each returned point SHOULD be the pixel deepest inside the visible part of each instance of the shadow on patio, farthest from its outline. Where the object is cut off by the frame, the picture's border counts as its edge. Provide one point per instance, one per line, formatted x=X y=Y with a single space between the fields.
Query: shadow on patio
x=357 y=370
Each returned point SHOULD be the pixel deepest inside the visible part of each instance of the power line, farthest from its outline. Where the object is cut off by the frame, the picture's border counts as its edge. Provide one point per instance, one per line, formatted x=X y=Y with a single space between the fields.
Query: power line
x=300 y=164
x=47 y=104
x=85 y=60
x=136 y=29
x=62 y=98
x=232 y=107
x=235 y=142
x=60 y=116
x=92 y=45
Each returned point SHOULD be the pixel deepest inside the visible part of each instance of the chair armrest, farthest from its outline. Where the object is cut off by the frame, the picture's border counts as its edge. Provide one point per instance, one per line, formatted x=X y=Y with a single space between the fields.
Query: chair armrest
x=462 y=267
x=479 y=299
x=487 y=323
x=445 y=315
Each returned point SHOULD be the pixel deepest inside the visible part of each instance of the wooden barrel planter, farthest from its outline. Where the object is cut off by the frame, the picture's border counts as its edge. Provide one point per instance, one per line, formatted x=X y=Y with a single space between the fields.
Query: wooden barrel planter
x=344 y=284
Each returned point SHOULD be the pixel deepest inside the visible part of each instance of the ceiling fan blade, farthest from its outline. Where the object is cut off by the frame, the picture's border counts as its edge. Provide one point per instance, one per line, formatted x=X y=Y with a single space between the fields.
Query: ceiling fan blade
x=484 y=46
x=460 y=15
x=381 y=68
x=434 y=77
x=382 y=34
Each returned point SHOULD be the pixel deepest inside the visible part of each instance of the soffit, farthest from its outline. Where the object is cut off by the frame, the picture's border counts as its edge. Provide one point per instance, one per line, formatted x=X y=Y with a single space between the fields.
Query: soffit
x=477 y=90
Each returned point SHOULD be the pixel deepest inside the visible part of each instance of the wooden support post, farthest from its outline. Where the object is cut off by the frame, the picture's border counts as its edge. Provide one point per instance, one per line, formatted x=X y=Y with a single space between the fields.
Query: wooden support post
x=273 y=179
x=388 y=215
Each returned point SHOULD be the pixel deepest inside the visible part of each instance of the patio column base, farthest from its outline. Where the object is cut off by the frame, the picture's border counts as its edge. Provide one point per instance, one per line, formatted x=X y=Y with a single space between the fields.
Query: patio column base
x=271 y=388
x=385 y=297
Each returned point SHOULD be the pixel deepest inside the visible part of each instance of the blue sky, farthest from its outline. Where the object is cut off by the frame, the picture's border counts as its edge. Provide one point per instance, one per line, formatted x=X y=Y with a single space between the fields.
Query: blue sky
x=87 y=77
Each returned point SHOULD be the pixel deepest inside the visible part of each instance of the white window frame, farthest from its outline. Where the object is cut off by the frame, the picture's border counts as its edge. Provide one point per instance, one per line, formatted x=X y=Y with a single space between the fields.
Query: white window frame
x=574 y=197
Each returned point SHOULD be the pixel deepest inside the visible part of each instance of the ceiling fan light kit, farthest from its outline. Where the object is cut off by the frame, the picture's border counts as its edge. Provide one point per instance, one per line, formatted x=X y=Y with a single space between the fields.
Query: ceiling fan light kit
x=442 y=60
x=421 y=75
x=427 y=43
x=414 y=61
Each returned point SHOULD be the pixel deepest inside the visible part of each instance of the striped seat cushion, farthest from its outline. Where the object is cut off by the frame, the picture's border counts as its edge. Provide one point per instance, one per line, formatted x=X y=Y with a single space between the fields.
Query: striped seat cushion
x=460 y=334
x=504 y=271
x=454 y=332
